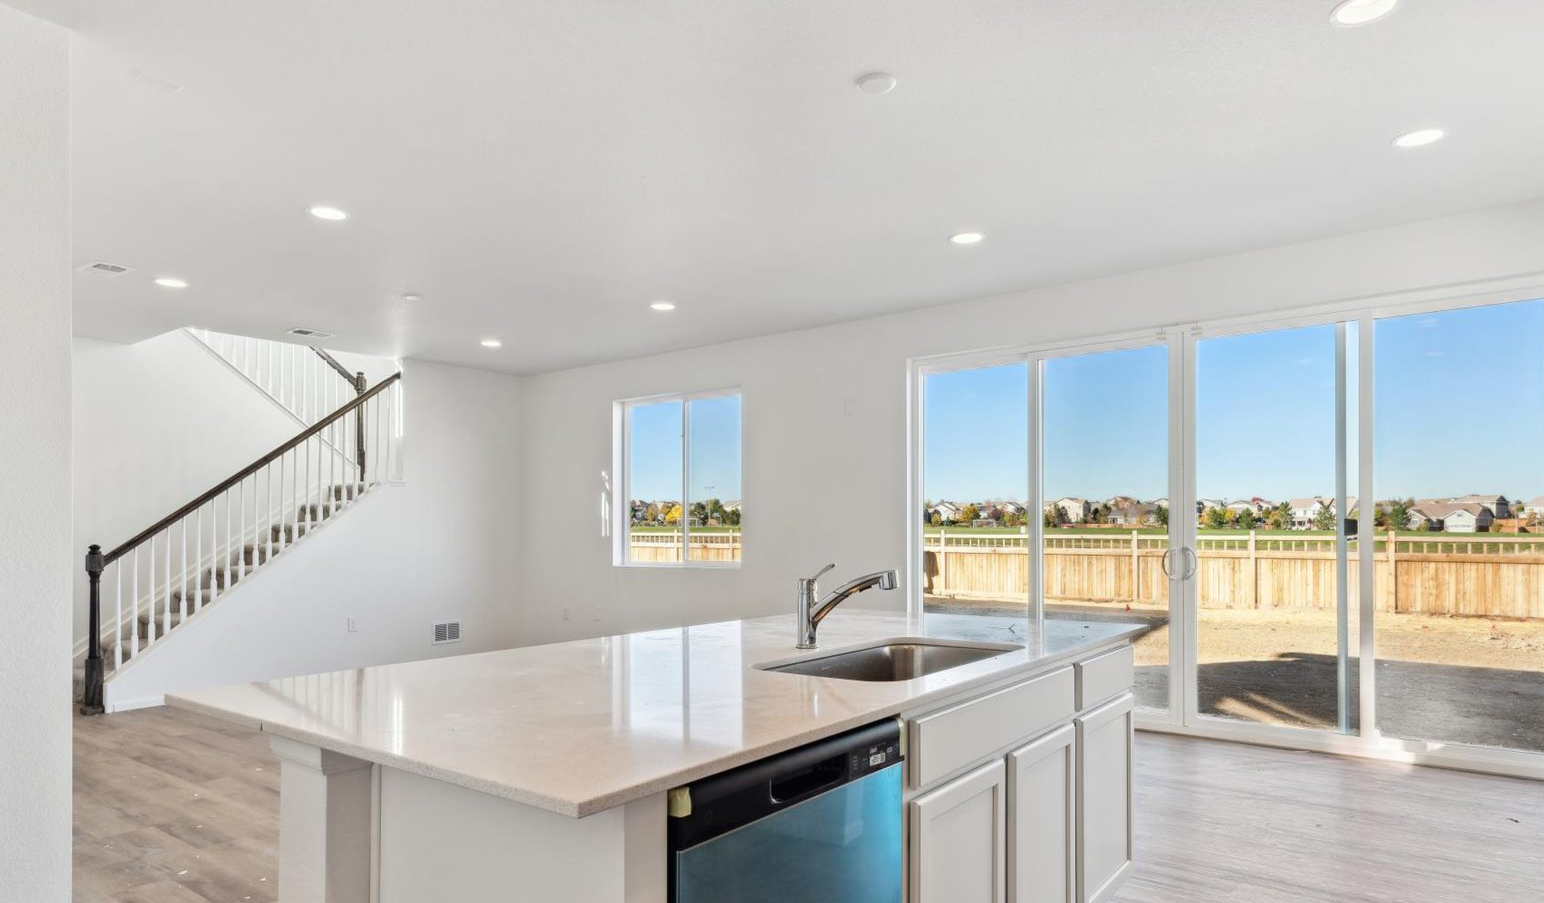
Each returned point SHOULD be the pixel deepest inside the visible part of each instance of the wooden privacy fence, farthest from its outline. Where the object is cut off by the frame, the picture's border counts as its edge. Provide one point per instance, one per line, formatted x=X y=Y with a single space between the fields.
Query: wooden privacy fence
x=664 y=548
x=1482 y=576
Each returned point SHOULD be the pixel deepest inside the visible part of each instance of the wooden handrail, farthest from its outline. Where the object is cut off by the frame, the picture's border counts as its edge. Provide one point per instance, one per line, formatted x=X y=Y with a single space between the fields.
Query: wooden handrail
x=247 y=471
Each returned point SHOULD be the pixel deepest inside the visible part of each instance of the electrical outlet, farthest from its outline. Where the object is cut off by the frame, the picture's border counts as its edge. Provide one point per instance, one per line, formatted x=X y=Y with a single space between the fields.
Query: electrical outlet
x=353 y=626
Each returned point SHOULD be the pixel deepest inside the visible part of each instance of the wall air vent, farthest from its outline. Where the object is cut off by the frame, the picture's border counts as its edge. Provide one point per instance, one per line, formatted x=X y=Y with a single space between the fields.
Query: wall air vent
x=309 y=333
x=447 y=632
x=105 y=268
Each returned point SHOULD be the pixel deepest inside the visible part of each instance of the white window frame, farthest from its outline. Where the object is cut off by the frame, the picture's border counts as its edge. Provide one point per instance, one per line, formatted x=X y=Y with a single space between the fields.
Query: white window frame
x=622 y=521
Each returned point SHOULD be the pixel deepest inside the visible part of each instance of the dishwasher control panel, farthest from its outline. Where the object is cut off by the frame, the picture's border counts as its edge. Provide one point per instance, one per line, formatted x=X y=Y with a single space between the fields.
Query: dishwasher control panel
x=874 y=756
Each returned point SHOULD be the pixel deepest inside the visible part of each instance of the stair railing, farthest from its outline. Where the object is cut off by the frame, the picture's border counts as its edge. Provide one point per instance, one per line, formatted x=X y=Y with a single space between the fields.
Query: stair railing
x=294 y=375
x=234 y=527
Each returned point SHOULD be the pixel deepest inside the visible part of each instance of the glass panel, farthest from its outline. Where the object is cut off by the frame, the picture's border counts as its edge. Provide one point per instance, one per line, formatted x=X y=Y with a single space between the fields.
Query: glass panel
x=1270 y=618
x=1105 y=464
x=654 y=482
x=841 y=845
x=976 y=484
x=1459 y=421
x=713 y=510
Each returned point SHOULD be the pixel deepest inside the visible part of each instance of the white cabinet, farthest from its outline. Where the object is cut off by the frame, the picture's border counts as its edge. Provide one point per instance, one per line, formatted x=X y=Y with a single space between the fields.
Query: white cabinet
x=958 y=839
x=1104 y=850
x=1042 y=819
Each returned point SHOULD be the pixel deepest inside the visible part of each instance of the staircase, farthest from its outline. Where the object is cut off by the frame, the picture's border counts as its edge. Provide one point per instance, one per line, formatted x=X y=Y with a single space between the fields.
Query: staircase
x=173 y=571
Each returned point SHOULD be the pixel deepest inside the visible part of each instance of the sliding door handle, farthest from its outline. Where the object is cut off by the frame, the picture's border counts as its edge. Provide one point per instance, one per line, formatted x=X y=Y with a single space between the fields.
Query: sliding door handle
x=1194 y=562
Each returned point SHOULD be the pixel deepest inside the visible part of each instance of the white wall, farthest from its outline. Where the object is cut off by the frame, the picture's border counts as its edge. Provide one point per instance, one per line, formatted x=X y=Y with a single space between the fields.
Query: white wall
x=444 y=545
x=825 y=413
x=35 y=551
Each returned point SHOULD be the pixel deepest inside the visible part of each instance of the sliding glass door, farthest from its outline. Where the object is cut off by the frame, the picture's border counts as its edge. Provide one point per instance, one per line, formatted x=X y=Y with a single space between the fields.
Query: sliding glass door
x=1104 y=456
x=1459 y=452
x=1332 y=526
x=1274 y=498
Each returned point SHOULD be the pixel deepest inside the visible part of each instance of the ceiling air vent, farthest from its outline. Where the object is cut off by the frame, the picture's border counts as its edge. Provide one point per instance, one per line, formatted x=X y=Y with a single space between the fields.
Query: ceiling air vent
x=105 y=268
x=447 y=632
x=310 y=333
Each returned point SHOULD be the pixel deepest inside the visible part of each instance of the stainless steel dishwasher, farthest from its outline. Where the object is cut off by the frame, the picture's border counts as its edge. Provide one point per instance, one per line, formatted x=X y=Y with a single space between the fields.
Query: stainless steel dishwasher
x=818 y=824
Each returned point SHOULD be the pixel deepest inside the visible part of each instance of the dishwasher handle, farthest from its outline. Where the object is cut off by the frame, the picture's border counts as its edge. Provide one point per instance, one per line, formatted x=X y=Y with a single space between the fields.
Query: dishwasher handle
x=794 y=787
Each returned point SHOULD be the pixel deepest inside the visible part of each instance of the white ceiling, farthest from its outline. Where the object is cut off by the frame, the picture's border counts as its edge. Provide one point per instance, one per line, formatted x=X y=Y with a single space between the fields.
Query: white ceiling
x=540 y=170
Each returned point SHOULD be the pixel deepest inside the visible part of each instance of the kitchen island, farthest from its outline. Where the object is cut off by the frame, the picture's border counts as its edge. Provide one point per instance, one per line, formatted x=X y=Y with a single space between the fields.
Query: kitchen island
x=544 y=772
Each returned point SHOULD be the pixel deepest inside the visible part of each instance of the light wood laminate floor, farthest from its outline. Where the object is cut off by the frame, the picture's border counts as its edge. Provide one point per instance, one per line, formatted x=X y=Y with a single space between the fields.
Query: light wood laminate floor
x=172 y=807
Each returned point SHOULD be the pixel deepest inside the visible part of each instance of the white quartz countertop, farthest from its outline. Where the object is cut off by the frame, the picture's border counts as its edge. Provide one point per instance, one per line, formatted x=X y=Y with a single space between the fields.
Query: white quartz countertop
x=583 y=726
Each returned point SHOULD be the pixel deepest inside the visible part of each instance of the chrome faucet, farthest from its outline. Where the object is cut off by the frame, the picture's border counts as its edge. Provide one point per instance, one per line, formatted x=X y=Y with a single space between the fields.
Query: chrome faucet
x=811 y=612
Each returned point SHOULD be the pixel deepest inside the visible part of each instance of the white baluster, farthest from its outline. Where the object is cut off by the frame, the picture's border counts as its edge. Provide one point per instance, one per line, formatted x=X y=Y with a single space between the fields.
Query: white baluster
x=183 y=602
x=166 y=612
x=198 y=558
x=241 y=520
x=118 y=617
x=134 y=604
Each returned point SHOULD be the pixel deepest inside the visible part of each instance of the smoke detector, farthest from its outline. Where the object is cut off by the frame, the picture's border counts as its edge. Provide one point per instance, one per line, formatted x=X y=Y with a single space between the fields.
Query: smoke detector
x=105 y=268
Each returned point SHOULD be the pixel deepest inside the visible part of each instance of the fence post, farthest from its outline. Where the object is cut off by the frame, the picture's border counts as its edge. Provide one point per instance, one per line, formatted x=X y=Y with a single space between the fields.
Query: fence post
x=1393 y=575
x=941 y=583
x=1254 y=573
x=1136 y=569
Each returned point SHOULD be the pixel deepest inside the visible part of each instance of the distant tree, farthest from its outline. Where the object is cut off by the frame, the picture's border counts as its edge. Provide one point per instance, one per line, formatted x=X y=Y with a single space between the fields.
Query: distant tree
x=673 y=516
x=1161 y=515
x=1279 y=517
x=1055 y=516
x=969 y=513
x=651 y=514
x=1398 y=515
x=1215 y=518
x=1246 y=519
x=699 y=513
x=1098 y=514
x=1012 y=519
x=937 y=519
x=1323 y=517
x=732 y=517
x=715 y=510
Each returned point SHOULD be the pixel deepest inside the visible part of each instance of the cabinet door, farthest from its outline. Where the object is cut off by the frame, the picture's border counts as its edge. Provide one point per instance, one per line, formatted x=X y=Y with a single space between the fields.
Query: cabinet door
x=957 y=839
x=1042 y=822
x=1104 y=799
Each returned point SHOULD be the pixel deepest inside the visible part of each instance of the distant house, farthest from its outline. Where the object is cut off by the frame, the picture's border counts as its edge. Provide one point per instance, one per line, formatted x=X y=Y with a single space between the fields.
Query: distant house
x=1253 y=506
x=1135 y=514
x=1075 y=509
x=1498 y=504
x=732 y=505
x=1533 y=508
x=1011 y=508
x=1452 y=517
x=1304 y=510
x=947 y=512
x=1203 y=504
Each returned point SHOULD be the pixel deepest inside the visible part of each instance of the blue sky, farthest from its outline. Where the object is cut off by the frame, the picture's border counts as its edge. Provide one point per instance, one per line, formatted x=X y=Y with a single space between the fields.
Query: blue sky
x=1459 y=409
x=656 y=449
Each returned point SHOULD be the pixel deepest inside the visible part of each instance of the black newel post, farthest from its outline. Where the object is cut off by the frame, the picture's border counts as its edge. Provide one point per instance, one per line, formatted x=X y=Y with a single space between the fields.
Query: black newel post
x=359 y=426
x=91 y=699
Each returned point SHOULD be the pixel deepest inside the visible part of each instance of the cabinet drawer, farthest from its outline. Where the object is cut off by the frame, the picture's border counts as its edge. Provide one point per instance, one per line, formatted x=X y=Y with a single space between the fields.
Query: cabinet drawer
x=945 y=741
x=1104 y=677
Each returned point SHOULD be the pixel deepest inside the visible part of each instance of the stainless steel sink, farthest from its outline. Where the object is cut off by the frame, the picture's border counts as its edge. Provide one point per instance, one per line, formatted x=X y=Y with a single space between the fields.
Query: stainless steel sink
x=893 y=661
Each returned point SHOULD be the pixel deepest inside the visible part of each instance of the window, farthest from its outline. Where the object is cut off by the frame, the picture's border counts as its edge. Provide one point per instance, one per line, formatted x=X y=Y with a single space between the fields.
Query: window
x=680 y=462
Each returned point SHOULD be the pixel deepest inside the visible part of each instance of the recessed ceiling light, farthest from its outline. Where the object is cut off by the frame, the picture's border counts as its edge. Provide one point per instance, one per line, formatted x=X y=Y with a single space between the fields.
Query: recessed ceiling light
x=1360 y=12
x=662 y=305
x=411 y=297
x=1419 y=138
x=876 y=83
x=171 y=282
x=967 y=238
x=492 y=343
x=331 y=214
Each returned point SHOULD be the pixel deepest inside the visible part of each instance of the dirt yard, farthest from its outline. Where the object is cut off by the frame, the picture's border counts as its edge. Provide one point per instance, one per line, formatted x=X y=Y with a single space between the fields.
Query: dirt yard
x=1464 y=680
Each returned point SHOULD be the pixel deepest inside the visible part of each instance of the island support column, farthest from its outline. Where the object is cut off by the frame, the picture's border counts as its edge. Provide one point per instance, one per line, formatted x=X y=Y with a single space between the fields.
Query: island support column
x=326 y=831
